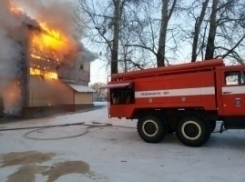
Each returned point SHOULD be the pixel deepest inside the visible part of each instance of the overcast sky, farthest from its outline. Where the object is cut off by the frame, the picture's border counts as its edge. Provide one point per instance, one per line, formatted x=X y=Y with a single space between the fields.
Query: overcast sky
x=98 y=71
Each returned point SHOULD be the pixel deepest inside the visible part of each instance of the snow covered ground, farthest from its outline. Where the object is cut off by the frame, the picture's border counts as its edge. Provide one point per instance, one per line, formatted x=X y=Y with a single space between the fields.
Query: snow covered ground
x=113 y=153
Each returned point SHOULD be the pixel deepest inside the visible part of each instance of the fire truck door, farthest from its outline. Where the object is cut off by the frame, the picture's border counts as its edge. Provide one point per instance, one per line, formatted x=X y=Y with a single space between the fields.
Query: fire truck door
x=233 y=93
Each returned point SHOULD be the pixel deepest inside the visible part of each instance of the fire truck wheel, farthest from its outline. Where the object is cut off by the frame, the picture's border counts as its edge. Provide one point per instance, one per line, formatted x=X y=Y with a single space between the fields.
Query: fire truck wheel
x=152 y=128
x=193 y=130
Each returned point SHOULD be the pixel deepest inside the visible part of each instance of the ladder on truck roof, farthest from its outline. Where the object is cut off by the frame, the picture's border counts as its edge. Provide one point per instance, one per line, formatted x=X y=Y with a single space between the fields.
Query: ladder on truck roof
x=180 y=68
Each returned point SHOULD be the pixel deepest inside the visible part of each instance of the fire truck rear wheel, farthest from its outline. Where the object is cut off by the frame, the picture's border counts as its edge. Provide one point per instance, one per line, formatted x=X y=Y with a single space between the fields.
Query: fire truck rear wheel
x=193 y=130
x=152 y=128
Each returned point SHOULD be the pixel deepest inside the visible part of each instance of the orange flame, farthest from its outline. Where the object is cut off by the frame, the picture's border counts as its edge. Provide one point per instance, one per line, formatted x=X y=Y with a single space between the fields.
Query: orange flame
x=48 y=42
x=45 y=44
x=45 y=74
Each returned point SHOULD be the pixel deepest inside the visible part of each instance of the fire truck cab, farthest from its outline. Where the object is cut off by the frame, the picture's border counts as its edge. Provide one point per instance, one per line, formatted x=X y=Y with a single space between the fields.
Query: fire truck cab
x=186 y=99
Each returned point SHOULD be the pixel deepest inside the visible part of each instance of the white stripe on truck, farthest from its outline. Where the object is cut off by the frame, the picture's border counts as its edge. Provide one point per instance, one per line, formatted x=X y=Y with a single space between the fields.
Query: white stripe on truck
x=231 y=90
x=176 y=92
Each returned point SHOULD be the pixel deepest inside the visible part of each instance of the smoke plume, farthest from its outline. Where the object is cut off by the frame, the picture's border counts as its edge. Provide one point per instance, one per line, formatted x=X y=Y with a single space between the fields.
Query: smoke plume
x=59 y=14
x=11 y=55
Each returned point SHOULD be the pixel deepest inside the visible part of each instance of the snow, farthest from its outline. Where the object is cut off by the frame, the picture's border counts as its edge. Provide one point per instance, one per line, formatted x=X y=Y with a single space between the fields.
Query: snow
x=117 y=154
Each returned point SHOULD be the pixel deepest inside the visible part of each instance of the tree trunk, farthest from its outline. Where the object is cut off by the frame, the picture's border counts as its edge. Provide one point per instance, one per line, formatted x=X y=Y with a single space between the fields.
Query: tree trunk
x=197 y=30
x=125 y=64
x=212 y=32
x=163 y=34
x=114 y=51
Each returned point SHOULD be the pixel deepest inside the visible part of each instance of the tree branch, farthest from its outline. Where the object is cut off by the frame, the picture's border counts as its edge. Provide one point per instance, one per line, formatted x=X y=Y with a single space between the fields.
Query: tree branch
x=141 y=46
x=234 y=47
x=135 y=64
x=172 y=9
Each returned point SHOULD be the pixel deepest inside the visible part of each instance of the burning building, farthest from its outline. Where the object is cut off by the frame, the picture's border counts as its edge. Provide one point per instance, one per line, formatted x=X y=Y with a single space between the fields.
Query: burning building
x=42 y=63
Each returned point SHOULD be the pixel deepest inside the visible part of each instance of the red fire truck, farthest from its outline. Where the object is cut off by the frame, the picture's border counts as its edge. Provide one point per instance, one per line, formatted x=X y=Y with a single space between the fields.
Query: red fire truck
x=186 y=99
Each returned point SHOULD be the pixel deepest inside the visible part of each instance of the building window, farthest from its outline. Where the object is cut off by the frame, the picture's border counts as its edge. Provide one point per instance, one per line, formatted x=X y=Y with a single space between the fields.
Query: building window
x=81 y=67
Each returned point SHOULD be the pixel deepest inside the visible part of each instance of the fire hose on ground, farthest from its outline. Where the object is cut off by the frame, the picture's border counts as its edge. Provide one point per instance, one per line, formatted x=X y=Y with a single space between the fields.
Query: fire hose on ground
x=39 y=128
x=89 y=126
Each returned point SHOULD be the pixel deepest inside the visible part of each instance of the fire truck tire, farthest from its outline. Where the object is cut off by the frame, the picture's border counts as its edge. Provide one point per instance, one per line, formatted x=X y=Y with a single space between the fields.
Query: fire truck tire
x=193 y=130
x=152 y=128
x=212 y=125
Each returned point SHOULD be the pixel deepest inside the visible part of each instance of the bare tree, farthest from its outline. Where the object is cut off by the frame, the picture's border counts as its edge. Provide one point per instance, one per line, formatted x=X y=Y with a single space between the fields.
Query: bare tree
x=227 y=27
x=107 y=18
x=212 y=32
x=218 y=29
x=156 y=34
x=118 y=8
x=166 y=15
x=198 y=23
x=232 y=31
x=137 y=37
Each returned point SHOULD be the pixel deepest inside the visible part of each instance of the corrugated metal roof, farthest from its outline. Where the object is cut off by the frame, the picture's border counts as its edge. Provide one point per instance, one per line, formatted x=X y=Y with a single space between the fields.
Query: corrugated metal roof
x=80 y=88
